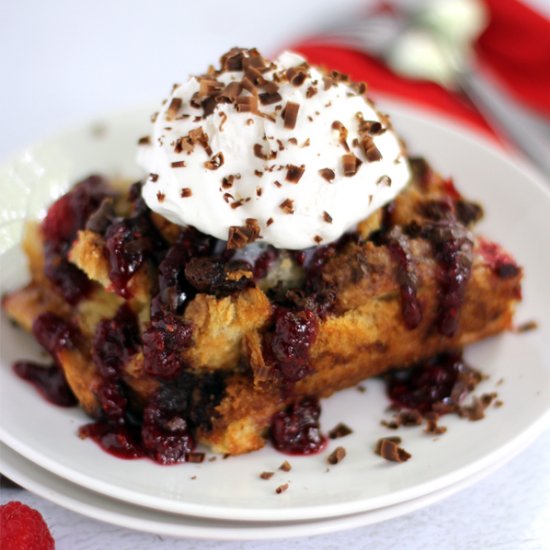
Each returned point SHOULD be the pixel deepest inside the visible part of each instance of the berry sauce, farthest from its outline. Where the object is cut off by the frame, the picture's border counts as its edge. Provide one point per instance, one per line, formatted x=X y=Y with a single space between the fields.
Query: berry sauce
x=164 y=431
x=64 y=219
x=406 y=276
x=286 y=346
x=54 y=334
x=453 y=250
x=296 y=430
x=437 y=384
x=500 y=261
x=49 y=381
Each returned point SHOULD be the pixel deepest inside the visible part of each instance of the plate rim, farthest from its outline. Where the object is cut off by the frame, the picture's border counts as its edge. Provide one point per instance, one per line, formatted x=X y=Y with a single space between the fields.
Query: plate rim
x=308 y=512
x=319 y=526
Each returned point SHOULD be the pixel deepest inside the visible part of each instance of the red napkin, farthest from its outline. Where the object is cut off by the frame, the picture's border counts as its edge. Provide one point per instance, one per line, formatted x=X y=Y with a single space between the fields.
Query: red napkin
x=515 y=47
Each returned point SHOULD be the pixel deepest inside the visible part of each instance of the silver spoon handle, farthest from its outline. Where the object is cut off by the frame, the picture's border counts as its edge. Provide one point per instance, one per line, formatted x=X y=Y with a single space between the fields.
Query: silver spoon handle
x=506 y=117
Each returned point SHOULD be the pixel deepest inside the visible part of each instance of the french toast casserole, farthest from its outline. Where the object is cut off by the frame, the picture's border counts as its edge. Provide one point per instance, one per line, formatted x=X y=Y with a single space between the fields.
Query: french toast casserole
x=170 y=333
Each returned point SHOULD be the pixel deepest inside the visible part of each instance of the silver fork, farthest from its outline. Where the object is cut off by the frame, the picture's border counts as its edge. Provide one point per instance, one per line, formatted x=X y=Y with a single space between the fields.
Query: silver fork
x=433 y=41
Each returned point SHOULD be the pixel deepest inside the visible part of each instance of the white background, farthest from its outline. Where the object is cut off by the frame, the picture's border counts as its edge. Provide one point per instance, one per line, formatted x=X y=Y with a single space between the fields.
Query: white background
x=62 y=62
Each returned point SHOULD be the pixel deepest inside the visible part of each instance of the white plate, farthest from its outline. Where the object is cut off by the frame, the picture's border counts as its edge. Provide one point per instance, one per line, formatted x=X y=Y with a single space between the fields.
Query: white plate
x=517 y=208
x=100 y=507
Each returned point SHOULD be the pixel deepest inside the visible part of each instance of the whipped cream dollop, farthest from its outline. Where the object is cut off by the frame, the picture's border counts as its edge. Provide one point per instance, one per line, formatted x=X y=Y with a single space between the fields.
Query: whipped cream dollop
x=279 y=152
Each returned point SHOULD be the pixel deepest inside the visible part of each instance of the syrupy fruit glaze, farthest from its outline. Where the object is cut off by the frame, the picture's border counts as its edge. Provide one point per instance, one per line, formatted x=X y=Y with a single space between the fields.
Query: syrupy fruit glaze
x=286 y=346
x=499 y=260
x=406 y=277
x=54 y=334
x=164 y=430
x=296 y=430
x=64 y=219
x=49 y=381
x=453 y=249
x=437 y=384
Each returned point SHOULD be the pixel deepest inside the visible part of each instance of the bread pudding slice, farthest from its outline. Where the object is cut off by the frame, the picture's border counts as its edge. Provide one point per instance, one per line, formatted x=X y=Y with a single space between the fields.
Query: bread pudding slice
x=169 y=338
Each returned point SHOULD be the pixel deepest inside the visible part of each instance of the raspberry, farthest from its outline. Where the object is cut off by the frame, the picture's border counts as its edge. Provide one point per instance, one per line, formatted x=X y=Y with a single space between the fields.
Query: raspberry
x=22 y=528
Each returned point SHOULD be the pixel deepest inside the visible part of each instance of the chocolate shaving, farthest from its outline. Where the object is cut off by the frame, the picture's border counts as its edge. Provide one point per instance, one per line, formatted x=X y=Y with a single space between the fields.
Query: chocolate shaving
x=153 y=177
x=287 y=206
x=259 y=191
x=311 y=91
x=359 y=87
x=293 y=141
x=390 y=424
x=173 y=108
x=388 y=448
x=223 y=116
x=185 y=193
x=246 y=103
x=282 y=488
x=195 y=458
x=343 y=132
x=475 y=411
x=197 y=135
x=160 y=196
x=297 y=75
x=215 y=162
x=318 y=239
x=269 y=221
x=209 y=87
x=328 y=82
x=259 y=152
x=327 y=173
x=409 y=418
x=227 y=182
x=178 y=164
x=184 y=144
x=233 y=60
x=237 y=203
x=145 y=140
x=231 y=91
x=327 y=217
x=254 y=75
x=294 y=173
x=337 y=456
x=268 y=98
x=290 y=114
x=340 y=430
x=240 y=236
x=371 y=127
x=267 y=475
x=249 y=86
x=285 y=466
x=431 y=424
x=350 y=164
x=488 y=398
x=370 y=150
x=527 y=326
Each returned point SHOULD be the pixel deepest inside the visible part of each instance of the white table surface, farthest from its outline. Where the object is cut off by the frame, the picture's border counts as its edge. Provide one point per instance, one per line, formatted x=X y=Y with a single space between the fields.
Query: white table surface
x=65 y=61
